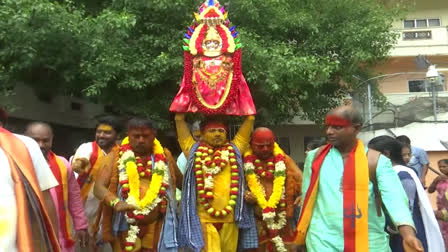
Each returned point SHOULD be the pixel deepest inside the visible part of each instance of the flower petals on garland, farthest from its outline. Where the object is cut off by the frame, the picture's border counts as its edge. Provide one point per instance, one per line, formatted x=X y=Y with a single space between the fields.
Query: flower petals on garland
x=129 y=179
x=206 y=167
x=277 y=199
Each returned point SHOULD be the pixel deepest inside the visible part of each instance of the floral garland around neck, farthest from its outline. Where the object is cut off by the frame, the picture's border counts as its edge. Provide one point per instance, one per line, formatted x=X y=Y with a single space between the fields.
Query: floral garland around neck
x=209 y=162
x=129 y=179
x=276 y=200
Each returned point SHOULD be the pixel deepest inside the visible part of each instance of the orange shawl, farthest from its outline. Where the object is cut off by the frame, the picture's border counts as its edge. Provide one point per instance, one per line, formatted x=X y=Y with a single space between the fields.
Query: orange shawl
x=59 y=170
x=27 y=192
x=355 y=189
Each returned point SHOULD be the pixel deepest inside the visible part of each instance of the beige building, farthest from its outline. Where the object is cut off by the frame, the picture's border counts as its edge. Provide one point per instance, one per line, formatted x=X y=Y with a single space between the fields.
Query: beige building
x=423 y=32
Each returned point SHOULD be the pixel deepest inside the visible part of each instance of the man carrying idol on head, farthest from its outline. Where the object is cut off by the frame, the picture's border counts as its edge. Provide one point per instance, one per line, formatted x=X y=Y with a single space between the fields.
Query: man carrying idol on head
x=214 y=216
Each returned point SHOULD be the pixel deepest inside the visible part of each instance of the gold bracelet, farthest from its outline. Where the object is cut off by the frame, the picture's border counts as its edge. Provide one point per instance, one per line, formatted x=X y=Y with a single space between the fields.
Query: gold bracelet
x=112 y=203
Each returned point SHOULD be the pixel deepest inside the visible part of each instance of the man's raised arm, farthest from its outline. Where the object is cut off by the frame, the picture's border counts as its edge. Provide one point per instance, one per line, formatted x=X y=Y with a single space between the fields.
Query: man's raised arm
x=184 y=136
x=242 y=138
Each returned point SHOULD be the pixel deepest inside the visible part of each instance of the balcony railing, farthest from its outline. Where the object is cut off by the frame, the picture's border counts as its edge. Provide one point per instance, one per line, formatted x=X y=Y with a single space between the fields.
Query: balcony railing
x=413 y=35
x=426 y=41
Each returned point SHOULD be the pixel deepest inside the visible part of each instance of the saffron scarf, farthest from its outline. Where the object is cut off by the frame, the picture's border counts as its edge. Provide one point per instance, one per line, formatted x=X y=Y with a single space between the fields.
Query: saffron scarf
x=28 y=197
x=355 y=189
x=60 y=173
x=86 y=180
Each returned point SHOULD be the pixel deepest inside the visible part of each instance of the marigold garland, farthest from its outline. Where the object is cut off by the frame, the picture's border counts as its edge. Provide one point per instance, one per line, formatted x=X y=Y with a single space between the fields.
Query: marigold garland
x=206 y=167
x=276 y=200
x=129 y=179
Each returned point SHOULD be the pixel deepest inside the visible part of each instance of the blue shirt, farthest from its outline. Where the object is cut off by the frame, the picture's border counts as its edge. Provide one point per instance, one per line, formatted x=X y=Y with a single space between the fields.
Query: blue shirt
x=418 y=160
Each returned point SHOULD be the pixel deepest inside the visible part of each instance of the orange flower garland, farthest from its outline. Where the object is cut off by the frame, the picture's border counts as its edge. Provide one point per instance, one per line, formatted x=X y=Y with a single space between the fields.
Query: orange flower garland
x=206 y=167
x=130 y=171
x=274 y=207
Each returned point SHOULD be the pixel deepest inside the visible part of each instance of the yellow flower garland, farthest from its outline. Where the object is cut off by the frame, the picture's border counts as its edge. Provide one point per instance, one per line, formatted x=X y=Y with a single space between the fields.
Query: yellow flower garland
x=134 y=179
x=256 y=187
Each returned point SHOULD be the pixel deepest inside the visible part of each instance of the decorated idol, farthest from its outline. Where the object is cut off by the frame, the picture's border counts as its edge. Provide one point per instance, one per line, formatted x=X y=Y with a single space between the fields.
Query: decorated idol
x=213 y=82
x=214 y=215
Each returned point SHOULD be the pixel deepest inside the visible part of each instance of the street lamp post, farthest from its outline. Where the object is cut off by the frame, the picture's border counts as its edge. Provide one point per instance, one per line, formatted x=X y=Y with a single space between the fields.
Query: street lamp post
x=432 y=76
x=369 y=89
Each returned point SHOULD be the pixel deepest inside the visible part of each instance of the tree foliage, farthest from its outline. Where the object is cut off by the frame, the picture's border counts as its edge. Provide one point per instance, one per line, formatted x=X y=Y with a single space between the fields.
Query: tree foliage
x=299 y=56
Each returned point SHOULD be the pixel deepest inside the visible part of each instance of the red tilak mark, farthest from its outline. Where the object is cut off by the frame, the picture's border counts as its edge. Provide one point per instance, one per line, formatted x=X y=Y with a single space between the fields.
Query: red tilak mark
x=334 y=120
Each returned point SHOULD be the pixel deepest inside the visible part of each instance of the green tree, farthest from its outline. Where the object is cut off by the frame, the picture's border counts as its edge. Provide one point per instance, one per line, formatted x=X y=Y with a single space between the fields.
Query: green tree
x=299 y=56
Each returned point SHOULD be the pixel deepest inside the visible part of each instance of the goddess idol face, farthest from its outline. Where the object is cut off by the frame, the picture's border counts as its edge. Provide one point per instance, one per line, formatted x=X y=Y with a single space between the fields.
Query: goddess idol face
x=212 y=43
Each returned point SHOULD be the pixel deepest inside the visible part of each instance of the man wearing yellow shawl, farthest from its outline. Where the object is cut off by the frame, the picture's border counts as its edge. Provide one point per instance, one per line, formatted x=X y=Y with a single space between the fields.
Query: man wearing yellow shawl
x=137 y=185
x=86 y=162
x=274 y=181
x=214 y=216
x=339 y=212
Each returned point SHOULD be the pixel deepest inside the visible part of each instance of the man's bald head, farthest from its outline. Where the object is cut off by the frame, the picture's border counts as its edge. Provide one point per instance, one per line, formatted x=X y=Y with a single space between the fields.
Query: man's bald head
x=263 y=134
x=349 y=113
x=342 y=126
x=42 y=133
x=262 y=142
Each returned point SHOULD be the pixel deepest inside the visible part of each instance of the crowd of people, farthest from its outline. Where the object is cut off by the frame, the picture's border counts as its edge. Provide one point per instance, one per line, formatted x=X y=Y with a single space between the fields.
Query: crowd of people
x=244 y=194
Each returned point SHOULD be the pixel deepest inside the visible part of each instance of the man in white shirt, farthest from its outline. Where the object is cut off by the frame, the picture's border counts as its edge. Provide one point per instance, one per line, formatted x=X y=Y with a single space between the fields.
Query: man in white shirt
x=25 y=181
x=87 y=163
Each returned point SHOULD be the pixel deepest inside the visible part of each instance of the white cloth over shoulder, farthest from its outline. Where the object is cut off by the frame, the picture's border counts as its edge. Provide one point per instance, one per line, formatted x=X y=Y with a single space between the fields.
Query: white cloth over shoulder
x=432 y=230
x=85 y=150
x=8 y=204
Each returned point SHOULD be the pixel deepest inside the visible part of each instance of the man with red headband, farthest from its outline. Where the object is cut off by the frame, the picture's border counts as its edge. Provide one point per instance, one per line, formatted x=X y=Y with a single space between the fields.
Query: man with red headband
x=344 y=189
x=274 y=181
x=137 y=185
x=214 y=216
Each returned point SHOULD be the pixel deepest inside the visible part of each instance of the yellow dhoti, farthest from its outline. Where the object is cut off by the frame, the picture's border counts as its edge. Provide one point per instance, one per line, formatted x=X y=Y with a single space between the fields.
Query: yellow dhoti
x=222 y=239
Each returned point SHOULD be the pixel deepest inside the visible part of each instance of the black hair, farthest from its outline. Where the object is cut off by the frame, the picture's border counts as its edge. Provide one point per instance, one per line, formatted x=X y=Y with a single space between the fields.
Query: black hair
x=404 y=139
x=140 y=123
x=389 y=144
x=112 y=121
x=313 y=144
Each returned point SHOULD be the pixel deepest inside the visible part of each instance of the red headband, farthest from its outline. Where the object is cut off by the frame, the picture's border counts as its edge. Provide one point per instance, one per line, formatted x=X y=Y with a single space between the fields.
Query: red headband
x=334 y=120
x=214 y=125
x=262 y=136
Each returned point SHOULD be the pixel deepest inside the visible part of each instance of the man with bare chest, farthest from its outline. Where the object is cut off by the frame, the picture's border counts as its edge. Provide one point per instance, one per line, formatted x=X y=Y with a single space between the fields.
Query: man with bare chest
x=274 y=182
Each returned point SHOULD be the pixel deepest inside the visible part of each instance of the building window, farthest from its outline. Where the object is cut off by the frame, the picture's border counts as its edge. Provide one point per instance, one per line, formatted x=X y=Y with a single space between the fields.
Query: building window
x=416 y=85
x=434 y=22
x=421 y=86
x=421 y=23
x=76 y=106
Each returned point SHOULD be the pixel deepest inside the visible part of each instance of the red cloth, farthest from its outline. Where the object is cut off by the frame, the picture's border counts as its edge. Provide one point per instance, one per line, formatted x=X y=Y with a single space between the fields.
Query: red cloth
x=238 y=102
x=62 y=205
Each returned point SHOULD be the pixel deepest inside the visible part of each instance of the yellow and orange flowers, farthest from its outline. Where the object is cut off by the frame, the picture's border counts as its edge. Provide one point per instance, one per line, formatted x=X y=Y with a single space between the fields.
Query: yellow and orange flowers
x=209 y=162
x=129 y=178
x=275 y=206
